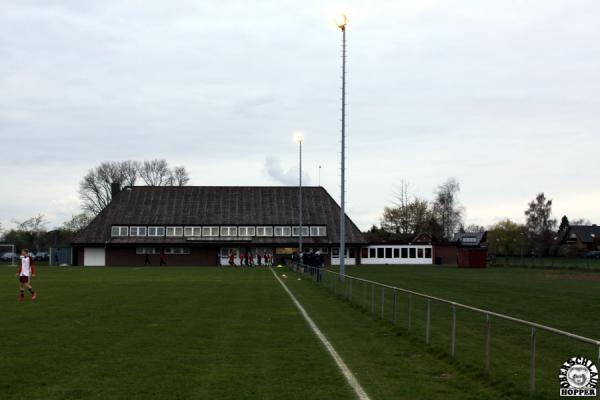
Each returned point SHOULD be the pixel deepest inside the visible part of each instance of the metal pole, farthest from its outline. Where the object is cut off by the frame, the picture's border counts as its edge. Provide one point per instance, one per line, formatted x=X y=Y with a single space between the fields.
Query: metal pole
x=334 y=285
x=350 y=290
x=319 y=176
x=453 y=346
x=372 y=298
x=300 y=200
x=598 y=355
x=409 y=311
x=382 y=301
x=395 y=300
x=488 y=341
x=532 y=368
x=343 y=169
x=428 y=324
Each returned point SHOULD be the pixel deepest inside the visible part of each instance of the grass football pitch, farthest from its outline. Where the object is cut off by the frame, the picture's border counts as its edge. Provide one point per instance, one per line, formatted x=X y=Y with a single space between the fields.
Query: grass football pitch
x=220 y=333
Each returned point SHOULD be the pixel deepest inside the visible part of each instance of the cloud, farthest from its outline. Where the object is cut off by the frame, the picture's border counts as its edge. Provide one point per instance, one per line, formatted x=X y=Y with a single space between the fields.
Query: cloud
x=288 y=177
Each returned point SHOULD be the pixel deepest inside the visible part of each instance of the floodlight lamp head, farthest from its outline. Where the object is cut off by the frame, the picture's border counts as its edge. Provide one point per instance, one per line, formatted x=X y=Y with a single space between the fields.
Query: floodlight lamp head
x=298 y=137
x=341 y=21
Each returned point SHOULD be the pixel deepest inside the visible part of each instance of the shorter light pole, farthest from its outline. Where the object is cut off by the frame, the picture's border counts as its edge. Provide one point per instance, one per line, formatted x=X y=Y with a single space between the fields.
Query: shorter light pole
x=299 y=138
x=319 y=176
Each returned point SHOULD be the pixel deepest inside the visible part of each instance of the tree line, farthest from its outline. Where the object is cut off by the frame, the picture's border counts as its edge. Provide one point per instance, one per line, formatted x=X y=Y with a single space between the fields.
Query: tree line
x=538 y=236
x=442 y=217
x=101 y=183
x=411 y=215
x=96 y=190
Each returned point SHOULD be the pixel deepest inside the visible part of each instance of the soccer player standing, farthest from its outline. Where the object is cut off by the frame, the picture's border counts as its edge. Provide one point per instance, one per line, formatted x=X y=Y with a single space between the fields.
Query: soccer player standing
x=26 y=272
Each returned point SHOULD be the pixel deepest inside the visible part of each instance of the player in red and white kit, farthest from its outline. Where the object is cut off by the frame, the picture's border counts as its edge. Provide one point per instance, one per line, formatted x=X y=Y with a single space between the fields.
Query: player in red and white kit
x=26 y=272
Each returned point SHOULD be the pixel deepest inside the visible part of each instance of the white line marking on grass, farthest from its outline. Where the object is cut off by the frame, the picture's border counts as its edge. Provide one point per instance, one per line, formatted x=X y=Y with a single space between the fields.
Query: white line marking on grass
x=352 y=381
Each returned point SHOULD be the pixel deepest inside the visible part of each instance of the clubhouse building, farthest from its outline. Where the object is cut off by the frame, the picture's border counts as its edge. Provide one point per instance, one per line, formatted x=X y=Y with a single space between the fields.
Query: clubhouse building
x=205 y=225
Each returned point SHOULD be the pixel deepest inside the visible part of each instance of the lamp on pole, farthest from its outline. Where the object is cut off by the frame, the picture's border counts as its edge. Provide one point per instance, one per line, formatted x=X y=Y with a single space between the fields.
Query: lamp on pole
x=298 y=137
x=341 y=22
x=319 y=176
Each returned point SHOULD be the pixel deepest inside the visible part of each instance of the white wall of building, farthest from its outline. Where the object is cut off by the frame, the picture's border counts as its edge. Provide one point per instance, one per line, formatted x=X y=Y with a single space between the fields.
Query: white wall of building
x=397 y=250
x=94 y=257
x=347 y=261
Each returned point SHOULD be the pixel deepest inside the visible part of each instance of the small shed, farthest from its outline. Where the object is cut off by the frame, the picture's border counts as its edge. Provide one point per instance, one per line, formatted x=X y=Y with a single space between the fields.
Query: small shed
x=472 y=249
x=61 y=256
x=472 y=257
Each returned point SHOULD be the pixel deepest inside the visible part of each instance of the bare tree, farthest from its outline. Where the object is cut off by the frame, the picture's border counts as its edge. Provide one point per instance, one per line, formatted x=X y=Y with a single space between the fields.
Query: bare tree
x=131 y=172
x=156 y=173
x=100 y=184
x=402 y=206
x=180 y=176
x=446 y=210
x=32 y=229
x=580 y=221
x=35 y=224
x=409 y=216
x=474 y=228
x=77 y=222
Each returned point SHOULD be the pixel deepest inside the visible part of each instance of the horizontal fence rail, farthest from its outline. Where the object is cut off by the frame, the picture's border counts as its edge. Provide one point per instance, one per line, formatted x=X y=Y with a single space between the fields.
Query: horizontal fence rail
x=367 y=299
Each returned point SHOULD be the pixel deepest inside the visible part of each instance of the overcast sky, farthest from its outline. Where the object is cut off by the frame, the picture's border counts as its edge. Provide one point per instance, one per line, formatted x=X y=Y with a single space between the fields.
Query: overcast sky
x=502 y=95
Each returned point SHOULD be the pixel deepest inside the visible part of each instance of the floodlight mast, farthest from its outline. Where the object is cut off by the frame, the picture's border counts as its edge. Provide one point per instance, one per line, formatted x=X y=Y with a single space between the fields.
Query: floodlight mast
x=300 y=196
x=341 y=23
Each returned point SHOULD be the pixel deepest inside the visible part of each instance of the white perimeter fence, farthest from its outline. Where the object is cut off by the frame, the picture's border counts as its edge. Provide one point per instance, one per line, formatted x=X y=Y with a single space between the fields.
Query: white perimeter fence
x=383 y=301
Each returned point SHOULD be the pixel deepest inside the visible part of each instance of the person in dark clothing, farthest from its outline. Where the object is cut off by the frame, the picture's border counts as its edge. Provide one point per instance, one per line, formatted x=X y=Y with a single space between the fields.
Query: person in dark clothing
x=162 y=257
x=319 y=261
x=147 y=259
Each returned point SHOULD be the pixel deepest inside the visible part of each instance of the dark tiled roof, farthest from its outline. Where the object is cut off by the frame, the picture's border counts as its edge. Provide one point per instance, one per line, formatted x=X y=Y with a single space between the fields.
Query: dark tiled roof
x=470 y=238
x=220 y=205
x=585 y=233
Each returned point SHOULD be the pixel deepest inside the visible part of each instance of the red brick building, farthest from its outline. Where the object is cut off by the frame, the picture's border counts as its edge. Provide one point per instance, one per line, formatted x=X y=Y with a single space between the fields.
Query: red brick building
x=203 y=225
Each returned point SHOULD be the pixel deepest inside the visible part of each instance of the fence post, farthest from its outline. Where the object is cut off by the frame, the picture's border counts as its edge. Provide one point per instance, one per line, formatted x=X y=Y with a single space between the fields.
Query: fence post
x=373 y=298
x=409 y=312
x=350 y=290
x=428 y=324
x=395 y=300
x=453 y=346
x=334 y=285
x=382 y=301
x=598 y=355
x=488 y=339
x=532 y=370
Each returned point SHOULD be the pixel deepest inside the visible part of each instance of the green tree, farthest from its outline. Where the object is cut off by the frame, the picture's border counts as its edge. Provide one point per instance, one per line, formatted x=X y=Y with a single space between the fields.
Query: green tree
x=507 y=238
x=540 y=225
x=77 y=222
x=407 y=221
x=408 y=216
x=564 y=223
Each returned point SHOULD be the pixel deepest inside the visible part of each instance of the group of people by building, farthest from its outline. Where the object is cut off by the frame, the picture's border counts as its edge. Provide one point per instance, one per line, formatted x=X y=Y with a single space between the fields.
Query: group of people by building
x=313 y=259
x=247 y=259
